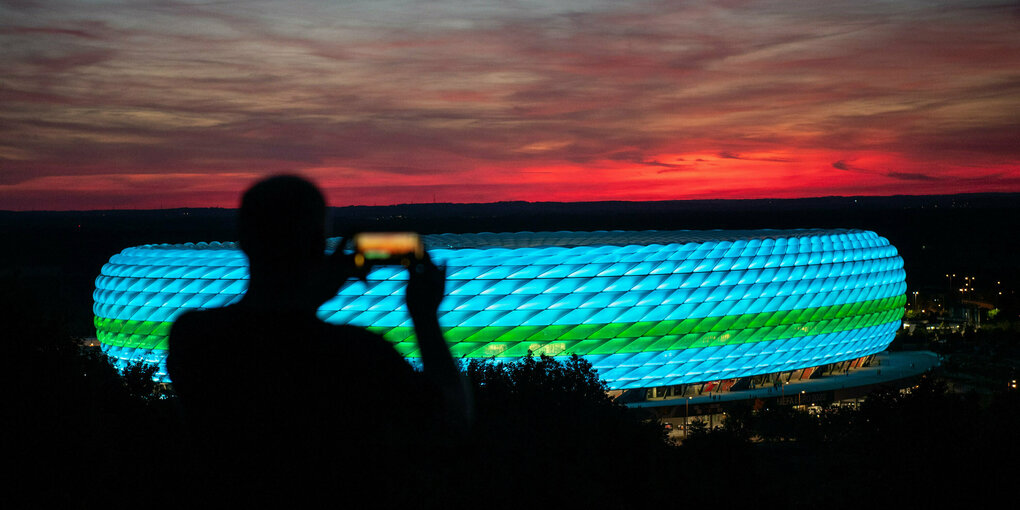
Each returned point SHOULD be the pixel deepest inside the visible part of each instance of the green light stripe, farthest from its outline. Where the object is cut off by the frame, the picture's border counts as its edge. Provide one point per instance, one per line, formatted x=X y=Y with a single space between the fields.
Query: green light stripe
x=485 y=341
x=136 y=334
x=509 y=342
x=817 y=320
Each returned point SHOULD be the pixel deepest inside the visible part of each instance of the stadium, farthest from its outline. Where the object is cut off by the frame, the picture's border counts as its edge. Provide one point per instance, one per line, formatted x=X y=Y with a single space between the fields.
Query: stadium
x=647 y=308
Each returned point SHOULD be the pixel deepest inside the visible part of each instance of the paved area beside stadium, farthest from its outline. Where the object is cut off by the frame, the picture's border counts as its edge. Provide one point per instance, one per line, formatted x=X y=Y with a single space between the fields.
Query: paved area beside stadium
x=896 y=369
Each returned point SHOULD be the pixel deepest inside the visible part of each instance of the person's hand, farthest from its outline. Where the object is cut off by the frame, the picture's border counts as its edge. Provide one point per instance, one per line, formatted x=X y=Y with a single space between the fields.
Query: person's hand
x=342 y=265
x=426 y=287
x=333 y=273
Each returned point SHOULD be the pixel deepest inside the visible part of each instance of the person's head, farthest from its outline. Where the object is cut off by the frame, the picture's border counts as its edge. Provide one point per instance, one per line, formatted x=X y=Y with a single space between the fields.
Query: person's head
x=282 y=224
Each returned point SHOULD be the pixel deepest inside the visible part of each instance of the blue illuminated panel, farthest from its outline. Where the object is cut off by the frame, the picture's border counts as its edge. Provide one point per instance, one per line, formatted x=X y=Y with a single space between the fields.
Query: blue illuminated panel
x=646 y=308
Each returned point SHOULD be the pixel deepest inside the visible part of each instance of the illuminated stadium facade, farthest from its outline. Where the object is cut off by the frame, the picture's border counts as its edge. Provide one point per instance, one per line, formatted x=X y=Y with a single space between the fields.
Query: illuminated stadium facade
x=648 y=309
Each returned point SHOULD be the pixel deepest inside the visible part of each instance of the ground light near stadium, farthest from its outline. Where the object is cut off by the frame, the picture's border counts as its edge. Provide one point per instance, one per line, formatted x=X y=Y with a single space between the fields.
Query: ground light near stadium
x=651 y=308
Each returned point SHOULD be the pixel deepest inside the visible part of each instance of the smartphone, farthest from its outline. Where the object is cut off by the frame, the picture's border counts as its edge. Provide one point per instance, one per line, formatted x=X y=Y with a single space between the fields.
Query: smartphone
x=381 y=248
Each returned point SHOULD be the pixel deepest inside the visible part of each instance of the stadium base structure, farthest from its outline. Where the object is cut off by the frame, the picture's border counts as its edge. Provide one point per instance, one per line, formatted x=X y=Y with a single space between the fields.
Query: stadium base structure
x=647 y=309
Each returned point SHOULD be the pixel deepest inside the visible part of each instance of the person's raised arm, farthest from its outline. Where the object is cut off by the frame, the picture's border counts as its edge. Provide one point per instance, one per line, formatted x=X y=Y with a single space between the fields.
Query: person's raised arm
x=426 y=287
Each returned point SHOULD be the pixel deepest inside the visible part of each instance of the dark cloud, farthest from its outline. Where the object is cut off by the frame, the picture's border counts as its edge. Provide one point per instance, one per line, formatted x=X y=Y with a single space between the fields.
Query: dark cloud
x=632 y=156
x=672 y=166
x=11 y=172
x=902 y=176
x=639 y=158
x=67 y=62
x=22 y=4
x=73 y=32
x=909 y=176
x=675 y=168
x=731 y=155
x=1000 y=141
x=32 y=96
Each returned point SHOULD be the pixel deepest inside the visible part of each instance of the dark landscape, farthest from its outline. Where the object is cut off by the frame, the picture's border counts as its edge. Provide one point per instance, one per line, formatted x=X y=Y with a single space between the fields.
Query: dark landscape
x=101 y=437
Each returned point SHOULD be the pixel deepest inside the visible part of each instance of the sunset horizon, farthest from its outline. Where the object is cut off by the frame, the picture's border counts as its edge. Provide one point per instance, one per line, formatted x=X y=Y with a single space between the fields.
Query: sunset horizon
x=734 y=202
x=138 y=106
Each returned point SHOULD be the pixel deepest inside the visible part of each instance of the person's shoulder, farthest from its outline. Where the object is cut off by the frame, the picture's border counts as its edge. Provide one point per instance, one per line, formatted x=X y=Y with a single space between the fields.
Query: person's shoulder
x=192 y=334
x=200 y=324
x=354 y=338
x=355 y=333
x=367 y=357
x=203 y=315
x=209 y=314
x=362 y=343
x=197 y=319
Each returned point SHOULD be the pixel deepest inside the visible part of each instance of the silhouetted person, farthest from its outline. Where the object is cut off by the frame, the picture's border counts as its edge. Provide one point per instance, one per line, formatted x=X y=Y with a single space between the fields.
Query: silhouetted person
x=279 y=401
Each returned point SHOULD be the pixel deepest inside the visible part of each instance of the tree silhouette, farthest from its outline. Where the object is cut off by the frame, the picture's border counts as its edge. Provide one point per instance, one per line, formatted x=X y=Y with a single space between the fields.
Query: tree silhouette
x=542 y=415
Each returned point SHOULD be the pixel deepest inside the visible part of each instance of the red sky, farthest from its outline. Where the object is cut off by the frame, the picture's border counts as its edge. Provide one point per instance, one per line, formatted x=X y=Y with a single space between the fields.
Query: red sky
x=174 y=104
